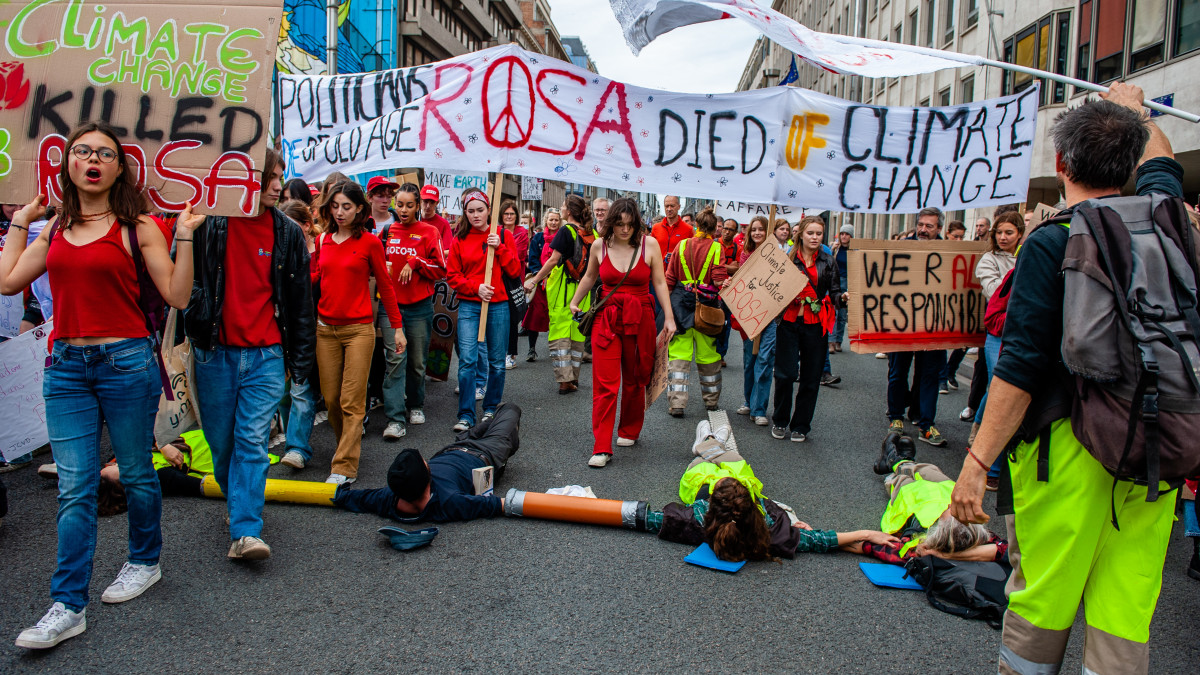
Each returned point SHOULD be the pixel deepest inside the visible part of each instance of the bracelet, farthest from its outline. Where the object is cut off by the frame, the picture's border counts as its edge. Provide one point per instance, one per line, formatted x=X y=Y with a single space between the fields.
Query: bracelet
x=178 y=239
x=977 y=460
x=18 y=227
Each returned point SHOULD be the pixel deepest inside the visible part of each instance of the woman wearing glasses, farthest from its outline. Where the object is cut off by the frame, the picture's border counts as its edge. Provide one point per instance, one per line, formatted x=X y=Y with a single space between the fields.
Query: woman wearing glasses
x=101 y=368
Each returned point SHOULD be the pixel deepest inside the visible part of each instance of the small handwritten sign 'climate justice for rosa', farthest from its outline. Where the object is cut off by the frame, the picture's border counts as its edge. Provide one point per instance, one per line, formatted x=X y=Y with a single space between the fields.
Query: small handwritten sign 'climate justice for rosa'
x=915 y=295
x=762 y=288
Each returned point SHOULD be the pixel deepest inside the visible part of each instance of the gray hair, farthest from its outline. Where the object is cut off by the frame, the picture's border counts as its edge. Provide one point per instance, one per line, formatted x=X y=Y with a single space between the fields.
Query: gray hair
x=949 y=536
x=1100 y=143
x=932 y=211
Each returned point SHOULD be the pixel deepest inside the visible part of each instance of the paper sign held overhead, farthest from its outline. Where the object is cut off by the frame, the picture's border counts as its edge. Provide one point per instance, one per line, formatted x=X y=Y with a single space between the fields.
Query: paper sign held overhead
x=763 y=287
x=450 y=187
x=914 y=295
x=185 y=84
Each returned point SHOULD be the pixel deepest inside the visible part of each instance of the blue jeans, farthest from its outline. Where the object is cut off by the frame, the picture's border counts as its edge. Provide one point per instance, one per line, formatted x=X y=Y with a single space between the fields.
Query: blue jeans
x=238 y=390
x=297 y=411
x=115 y=385
x=469 y=349
x=760 y=370
x=928 y=365
x=404 y=380
x=839 y=328
x=991 y=353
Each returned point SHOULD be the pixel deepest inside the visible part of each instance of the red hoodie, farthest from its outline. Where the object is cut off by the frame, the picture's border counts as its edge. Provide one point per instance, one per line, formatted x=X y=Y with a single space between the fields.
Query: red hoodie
x=468 y=258
x=418 y=245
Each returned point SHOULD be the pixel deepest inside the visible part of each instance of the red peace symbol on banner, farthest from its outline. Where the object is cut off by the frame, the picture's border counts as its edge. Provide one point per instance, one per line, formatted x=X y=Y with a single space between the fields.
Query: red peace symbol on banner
x=507 y=129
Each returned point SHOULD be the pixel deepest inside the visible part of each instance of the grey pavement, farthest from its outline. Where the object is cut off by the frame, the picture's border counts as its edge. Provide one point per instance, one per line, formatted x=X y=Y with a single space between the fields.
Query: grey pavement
x=526 y=595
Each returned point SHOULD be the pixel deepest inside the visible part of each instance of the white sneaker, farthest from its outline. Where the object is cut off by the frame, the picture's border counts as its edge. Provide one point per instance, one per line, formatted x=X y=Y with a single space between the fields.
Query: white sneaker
x=277 y=439
x=249 y=548
x=743 y=409
x=967 y=414
x=722 y=434
x=293 y=459
x=703 y=431
x=599 y=460
x=479 y=392
x=48 y=470
x=881 y=355
x=973 y=350
x=461 y=425
x=339 y=479
x=57 y=625
x=394 y=431
x=625 y=442
x=456 y=389
x=321 y=417
x=510 y=362
x=761 y=421
x=131 y=582
x=416 y=417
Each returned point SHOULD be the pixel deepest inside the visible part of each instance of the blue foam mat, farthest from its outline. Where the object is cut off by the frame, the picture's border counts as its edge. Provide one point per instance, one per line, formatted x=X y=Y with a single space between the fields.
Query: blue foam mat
x=889 y=576
x=704 y=557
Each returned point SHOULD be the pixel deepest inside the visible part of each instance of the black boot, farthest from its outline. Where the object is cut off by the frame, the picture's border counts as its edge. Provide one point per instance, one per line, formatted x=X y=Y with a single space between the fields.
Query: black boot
x=1194 y=567
x=906 y=448
x=889 y=454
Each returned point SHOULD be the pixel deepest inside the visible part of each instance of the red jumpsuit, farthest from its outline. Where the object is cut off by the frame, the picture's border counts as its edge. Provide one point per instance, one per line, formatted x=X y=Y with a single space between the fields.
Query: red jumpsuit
x=622 y=352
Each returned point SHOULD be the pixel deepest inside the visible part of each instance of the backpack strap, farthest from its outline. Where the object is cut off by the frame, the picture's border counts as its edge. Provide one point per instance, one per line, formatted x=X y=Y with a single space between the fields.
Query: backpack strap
x=687 y=274
x=144 y=280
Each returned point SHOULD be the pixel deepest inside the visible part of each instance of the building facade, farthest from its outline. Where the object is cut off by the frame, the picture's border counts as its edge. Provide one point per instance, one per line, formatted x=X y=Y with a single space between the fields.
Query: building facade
x=1150 y=43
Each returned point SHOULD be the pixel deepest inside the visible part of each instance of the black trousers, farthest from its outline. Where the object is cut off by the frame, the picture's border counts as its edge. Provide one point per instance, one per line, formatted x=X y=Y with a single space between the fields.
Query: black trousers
x=979 y=382
x=498 y=438
x=800 y=350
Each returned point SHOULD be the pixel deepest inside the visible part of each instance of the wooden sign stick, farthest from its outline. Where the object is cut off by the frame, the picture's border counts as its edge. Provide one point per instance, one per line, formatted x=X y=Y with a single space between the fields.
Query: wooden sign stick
x=491 y=254
x=771 y=219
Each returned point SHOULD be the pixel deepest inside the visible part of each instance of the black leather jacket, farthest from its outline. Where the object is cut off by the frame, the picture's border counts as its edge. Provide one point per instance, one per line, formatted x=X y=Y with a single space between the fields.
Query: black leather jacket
x=290 y=281
x=828 y=278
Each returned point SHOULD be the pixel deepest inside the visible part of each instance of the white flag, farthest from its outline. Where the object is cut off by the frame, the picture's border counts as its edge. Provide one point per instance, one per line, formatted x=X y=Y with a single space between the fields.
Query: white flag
x=645 y=20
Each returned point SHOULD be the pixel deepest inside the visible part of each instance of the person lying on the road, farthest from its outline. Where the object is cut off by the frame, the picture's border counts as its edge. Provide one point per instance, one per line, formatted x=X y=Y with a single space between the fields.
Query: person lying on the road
x=918 y=512
x=442 y=489
x=723 y=506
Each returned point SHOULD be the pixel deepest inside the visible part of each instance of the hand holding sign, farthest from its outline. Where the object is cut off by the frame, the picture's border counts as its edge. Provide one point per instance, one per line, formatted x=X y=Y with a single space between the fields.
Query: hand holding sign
x=762 y=288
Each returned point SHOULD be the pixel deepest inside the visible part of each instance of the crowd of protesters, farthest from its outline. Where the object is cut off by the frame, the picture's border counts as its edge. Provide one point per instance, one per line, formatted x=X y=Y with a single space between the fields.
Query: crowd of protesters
x=329 y=286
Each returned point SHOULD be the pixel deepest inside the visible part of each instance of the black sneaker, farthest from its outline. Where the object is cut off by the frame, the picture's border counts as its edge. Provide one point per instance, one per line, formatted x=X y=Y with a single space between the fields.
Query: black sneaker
x=889 y=455
x=798 y=437
x=943 y=387
x=778 y=433
x=829 y=379
x=952 y=383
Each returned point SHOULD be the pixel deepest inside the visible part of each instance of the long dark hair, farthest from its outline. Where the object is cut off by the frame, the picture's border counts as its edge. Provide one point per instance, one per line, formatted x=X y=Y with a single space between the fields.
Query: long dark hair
x=579 y=211
x=734 y=526
x=462 y=226
x=354 y=192
x=749 y=243
x=613 y=218
x=296 y=188
x=126 y=198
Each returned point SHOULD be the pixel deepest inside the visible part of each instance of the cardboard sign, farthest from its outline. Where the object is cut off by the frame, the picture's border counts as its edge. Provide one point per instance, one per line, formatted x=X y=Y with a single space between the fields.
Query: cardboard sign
x=914 y=295
x=507 y=110
x=658 y=377
x=450 y=188
x=1041 y=213
x=762 y=288
x=444 y=333
x=185 y=84
x=22 y=362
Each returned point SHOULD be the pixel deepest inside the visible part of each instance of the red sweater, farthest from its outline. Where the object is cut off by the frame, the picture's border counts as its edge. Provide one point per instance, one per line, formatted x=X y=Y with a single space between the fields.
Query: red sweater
x=468 y=260
x=343 y=275
x=417 y=245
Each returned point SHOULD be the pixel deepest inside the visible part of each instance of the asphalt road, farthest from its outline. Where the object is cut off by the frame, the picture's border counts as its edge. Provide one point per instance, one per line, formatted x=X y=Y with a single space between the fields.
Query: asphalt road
x=524 y=595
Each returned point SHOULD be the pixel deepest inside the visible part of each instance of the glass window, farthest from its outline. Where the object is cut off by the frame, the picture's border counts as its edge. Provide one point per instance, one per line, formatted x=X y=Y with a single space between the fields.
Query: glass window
x=1063 y=37
x=972 y=11
x=924 y=103
x=913 y=28
x=966 y=89
x=1187 y=26
x=1148 y=42
x=944 y=97
x=1083 y=60
x=947 y=21
x=1109 y=47
x=930 y=20
x=874 y=7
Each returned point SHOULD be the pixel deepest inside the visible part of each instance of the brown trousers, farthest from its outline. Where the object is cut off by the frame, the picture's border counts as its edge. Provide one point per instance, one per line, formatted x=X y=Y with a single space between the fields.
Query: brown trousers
x=344 y=359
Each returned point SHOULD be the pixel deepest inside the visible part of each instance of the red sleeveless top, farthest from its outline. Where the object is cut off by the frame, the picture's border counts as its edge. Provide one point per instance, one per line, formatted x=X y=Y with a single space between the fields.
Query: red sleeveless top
x=627 y=313
x=638 y=282
x=95 y=288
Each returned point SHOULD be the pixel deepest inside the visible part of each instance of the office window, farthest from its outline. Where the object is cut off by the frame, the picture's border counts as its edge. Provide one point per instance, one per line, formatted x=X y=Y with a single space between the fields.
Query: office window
x=1043 y=46
x=971 y=10
x=930 y=20
x=944 y=97
x=1147 y=45
x=1083 y=57
x=913 y=28
x=1063 y=37
x=1109 y=42
x=966 y=90
x=874 y=8
x=924 y=103
x=947 y=21
x=1187 y=26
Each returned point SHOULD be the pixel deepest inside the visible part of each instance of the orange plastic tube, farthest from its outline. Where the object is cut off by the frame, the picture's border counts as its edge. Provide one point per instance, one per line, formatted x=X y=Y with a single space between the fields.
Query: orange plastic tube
x=610 y=512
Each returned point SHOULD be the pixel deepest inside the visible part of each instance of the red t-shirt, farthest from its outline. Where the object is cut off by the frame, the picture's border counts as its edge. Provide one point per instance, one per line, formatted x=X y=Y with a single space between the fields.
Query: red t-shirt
x=418 y=245
x=248 y=317
x=468 y=261
x=344 y=274
x=445 y=232
x=669 y=236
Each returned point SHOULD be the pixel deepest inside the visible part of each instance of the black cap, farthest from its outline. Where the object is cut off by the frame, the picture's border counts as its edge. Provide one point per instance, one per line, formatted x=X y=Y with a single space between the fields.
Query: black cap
x=408 y=475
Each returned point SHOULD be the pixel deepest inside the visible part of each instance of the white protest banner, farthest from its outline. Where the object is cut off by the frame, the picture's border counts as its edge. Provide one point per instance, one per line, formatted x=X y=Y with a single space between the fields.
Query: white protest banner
x=22 y=361
x=742 y=212
x=185 y=84
x=507 y=110
x=762 y=288
x=531 y=188
x=450 y=188
x=12 y=308
x=914 y=295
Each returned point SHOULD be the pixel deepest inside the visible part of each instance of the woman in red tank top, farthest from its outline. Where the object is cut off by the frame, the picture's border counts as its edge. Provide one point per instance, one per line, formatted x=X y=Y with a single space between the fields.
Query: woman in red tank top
x=623 y=339
x=101 y=368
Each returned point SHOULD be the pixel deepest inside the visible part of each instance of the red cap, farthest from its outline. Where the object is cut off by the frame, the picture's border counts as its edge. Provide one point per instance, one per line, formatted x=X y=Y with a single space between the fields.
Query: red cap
x=380 y=181
x=430 y=192
x=313 y=190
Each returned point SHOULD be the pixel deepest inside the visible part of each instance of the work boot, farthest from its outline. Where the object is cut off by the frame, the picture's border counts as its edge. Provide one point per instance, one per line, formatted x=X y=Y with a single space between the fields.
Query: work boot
x=906 y=448
x=710 y=384
x=677 y=384
x=889 y=453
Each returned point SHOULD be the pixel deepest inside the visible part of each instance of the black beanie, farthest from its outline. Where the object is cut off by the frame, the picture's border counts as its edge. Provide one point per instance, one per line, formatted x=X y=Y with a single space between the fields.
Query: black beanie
x=408 y=475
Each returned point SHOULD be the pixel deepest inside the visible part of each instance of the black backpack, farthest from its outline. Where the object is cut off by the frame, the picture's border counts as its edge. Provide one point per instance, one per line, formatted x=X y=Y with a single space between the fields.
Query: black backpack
x=972 y=590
